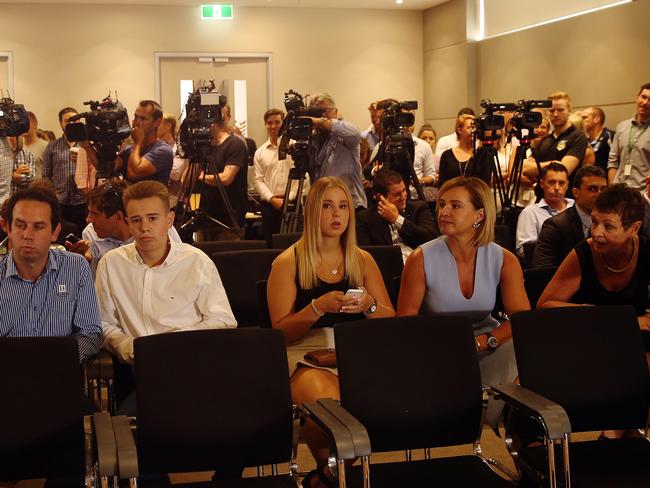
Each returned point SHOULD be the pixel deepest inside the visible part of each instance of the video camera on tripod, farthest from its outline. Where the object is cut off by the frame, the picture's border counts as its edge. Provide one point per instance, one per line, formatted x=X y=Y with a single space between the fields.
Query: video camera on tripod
x=13 y=118
x=202 y=109
x=107 y=125
x=397 y=149
x=295 y=140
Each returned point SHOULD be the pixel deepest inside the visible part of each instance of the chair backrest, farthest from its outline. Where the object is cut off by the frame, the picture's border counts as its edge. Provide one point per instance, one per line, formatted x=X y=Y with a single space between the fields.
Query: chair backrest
x=264 y=317
x=283 y=241
x=240 y=271
x=212 y=398
x=210 y=247
x=390 y=262
x=590 y=360
x=504 y=236
x=535 y=281
x=413 y=382
x=41 y=411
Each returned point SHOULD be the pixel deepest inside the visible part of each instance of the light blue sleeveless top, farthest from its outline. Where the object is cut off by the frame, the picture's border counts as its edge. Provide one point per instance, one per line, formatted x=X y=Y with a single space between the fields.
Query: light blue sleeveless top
x=443 y=294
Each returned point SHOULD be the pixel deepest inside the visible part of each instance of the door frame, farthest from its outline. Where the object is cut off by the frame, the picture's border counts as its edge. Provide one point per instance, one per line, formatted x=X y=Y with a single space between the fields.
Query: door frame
x=10 y=71
x=268 y=57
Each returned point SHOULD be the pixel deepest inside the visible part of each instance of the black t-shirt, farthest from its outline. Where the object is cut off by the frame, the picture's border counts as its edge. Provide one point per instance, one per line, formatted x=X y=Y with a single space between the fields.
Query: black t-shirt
x=571 y=142
x=450 y=167
x=601 y=147
x=232 y=151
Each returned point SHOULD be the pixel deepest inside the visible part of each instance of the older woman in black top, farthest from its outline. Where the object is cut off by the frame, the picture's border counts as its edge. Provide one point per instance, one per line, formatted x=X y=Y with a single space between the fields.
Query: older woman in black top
x=611 y=267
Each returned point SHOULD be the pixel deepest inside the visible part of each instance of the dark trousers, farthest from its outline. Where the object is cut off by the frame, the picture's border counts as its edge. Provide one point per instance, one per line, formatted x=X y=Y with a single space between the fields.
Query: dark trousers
x=75 y=214
x=271 y=221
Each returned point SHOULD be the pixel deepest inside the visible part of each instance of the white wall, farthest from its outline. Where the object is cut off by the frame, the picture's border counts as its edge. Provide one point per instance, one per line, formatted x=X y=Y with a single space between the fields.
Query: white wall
x=64 y=54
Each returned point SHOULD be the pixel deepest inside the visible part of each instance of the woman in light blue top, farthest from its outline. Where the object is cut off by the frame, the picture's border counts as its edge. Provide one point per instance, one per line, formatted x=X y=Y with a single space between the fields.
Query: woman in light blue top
x=459 y=273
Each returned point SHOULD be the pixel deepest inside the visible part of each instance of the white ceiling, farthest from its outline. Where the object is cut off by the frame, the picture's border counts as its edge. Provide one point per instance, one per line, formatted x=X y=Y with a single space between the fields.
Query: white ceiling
x=365 y=4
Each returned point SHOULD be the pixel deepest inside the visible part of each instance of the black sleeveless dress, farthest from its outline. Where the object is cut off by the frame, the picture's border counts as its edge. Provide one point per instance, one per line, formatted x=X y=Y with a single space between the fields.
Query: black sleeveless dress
x=634 y=294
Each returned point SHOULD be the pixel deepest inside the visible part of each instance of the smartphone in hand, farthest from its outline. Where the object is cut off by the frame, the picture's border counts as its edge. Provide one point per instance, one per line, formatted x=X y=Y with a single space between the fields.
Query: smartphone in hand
x=73 y=239
x=354 y=293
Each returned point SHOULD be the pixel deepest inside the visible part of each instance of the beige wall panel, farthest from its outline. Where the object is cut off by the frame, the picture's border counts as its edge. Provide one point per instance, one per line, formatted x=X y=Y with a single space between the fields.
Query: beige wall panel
x=599 y=59
x=64 y=54
x=446 y=88
x=445 y=25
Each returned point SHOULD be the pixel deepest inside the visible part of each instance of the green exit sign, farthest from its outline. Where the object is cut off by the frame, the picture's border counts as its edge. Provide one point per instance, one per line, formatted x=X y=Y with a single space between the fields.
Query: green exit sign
x=218 y=12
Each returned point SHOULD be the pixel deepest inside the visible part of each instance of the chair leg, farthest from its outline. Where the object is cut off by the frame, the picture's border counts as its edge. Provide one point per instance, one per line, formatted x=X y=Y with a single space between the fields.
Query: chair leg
x=552 y=473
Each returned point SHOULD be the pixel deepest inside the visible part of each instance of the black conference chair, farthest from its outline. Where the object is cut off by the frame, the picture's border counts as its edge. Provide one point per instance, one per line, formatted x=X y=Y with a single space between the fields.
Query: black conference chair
x=535 y=281
x=283 y=241
x=47 y=429
x=210 y=247
x=240 y=271
x=212 y=400
x=591 y=361
x=529 y=252
x=390 y=262
x=413 y=383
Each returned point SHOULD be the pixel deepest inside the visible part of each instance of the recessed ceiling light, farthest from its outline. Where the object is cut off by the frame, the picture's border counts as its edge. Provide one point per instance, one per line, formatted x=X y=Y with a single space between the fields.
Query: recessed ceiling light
x=399 y=2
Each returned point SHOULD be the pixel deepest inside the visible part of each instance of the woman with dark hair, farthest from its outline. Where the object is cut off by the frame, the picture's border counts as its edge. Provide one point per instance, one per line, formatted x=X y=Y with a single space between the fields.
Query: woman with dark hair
x=611 y=267
x=307 y=296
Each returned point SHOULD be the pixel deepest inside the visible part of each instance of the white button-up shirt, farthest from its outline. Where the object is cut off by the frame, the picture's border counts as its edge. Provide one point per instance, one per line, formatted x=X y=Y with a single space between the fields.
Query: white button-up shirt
x=271 y=174
x=531 y=219
x=183 y=293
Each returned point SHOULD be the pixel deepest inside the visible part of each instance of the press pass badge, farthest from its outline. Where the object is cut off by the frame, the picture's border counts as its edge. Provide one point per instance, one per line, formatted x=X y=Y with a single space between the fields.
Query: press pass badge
x=627 y=169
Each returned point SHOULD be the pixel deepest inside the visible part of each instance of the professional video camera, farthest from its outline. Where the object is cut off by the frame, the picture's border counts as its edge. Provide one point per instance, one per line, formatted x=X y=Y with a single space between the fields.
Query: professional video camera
x=13 y=118
x=525 y=118
x=296 y=129
x=107 y=125
x=295 y=139
x=397 y=150
x=202 y=109
x=488 y=124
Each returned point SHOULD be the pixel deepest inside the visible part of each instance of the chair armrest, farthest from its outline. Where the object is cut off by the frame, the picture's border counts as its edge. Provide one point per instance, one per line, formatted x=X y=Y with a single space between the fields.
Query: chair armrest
x=337 y=432
x=127 y=454
x=100 y=366
x=552 y=416
x=105 y=444
x=358 y=432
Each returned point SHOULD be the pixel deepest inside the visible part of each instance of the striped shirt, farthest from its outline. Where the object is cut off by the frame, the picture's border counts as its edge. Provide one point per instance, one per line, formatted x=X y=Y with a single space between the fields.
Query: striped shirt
x=23 y=157
x=58 y=168
x=61 y=302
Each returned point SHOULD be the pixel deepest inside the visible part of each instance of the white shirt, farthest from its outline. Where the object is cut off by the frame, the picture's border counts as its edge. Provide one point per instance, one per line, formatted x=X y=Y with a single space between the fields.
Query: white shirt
x=531 y=219
x=271 y=174
x=423 y=164
x=183 y=293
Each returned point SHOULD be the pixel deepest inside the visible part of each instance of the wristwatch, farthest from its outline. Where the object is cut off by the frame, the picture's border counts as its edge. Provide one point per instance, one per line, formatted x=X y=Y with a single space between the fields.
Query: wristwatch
x=492 y=341
x=372 y=308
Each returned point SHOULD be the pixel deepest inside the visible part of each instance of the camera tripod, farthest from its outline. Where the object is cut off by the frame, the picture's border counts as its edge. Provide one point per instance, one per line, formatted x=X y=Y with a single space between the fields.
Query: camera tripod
x=188 y=220
x=292 y=214
x=399 y=155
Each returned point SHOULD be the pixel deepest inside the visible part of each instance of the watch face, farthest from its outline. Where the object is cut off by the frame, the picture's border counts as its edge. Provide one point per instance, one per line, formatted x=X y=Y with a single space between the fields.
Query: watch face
x=493 y=342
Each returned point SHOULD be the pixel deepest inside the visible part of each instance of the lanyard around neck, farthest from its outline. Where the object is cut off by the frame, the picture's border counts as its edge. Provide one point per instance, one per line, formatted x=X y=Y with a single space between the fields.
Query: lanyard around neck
x=632 y=142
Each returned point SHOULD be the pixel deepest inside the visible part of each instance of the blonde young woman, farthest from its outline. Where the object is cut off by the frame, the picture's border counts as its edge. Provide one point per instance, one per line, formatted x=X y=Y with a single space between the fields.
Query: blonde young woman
x=307 y=296
x=459 y=273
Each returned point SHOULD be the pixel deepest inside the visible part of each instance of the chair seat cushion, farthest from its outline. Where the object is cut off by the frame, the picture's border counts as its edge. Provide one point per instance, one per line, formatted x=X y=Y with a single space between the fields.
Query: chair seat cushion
x=601 y=463
x=461 y=471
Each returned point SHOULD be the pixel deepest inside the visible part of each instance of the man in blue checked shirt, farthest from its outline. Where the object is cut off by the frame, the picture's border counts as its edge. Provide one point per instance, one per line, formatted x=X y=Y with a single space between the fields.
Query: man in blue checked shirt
x=45 y=292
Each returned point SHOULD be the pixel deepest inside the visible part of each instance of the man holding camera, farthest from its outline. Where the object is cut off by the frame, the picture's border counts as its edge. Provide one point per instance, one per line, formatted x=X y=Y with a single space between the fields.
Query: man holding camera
x=148 y=158
x=60 y=166
x=335 y=149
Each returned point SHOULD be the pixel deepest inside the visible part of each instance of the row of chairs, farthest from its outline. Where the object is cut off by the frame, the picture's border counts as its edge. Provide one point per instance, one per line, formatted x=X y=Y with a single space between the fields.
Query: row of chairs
x=220 y=400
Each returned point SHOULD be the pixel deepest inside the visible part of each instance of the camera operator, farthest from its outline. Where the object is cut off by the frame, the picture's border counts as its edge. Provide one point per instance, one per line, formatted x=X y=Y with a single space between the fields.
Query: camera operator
x=335 y=150
x=148 y=158
x=60 y=166
x=228 y=161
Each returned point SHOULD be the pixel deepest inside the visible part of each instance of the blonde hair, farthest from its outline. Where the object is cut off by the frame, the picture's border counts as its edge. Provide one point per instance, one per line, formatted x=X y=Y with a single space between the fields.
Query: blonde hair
x=480 y=197
x=560 y=95
x=460 y=121
x=171 y=120
x=308 y=246
x=576 y=120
